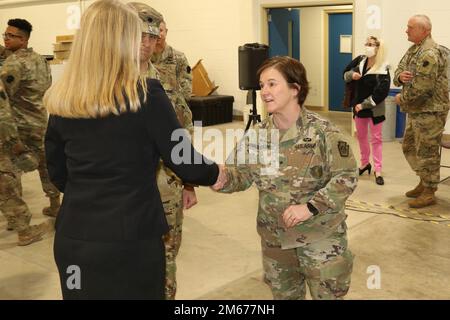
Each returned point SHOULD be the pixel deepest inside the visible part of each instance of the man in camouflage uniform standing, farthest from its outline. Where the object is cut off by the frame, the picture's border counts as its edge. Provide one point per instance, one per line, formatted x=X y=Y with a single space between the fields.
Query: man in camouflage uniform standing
x=422 y=72
x=304 y=173
x=174 y=194
x=15 y=156
x=26 y=76
x=172 y=65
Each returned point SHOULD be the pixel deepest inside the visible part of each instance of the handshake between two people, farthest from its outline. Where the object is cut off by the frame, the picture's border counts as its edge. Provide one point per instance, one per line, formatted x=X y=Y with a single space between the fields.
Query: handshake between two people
x=292 y=216
x=222 y=178
x=189 y=195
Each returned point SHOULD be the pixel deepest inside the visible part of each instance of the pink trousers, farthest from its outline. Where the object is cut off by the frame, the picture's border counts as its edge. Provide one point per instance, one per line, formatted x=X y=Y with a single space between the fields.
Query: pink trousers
x=362 y=130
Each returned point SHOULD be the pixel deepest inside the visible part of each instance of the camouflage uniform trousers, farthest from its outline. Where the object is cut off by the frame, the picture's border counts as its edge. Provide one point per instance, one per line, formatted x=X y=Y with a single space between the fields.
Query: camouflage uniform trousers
x=421 y=144
x=325 y=265
x=33 y=138
x=172 y=199
x=11 y=204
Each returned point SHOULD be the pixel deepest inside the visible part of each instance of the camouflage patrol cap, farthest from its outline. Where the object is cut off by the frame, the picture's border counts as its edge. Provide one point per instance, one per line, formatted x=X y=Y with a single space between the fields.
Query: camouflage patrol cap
x=150 y=17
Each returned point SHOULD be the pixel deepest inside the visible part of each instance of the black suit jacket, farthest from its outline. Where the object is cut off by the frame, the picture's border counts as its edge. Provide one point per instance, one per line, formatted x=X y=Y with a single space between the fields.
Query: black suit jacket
x=106 y=168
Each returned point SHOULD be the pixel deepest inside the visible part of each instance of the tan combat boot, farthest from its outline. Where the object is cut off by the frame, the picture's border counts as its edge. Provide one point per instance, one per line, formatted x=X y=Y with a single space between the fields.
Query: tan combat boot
x=10 y=226
x=53 y=210
x=425 y=199
x=417 y=191
x=32 y=234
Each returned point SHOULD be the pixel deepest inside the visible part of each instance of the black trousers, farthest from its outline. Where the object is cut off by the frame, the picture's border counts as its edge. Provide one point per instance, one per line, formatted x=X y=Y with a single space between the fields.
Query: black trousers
x=110 y=270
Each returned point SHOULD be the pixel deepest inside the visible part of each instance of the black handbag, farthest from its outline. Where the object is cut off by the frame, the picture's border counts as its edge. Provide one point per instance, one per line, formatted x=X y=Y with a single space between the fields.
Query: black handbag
x=349 y=93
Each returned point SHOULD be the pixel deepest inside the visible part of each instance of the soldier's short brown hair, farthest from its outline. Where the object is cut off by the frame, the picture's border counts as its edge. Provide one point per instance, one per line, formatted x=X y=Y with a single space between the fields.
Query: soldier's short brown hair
x=292 y=71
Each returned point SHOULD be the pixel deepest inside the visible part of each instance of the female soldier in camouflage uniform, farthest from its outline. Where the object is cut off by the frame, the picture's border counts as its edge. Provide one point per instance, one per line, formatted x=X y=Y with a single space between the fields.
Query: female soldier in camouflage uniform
x=301 y=217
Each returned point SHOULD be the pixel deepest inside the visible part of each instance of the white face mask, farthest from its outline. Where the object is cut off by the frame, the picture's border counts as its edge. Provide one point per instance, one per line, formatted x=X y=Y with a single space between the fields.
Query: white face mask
x=370 y=51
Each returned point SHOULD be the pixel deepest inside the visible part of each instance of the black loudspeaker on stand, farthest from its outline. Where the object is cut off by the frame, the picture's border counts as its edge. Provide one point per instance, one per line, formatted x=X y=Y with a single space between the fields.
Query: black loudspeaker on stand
x=251 y=57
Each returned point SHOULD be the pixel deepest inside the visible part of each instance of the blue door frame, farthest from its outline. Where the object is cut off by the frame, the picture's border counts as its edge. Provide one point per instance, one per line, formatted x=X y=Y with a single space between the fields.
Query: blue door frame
x=338 y=24
x=284 y=29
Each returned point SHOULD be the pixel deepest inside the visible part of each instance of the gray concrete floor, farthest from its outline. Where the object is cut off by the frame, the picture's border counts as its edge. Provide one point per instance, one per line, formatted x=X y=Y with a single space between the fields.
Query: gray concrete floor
x=220 y=254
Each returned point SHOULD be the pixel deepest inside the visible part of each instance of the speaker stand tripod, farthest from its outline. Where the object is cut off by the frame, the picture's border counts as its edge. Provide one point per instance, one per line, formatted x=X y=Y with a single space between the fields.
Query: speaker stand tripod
x=253 y=115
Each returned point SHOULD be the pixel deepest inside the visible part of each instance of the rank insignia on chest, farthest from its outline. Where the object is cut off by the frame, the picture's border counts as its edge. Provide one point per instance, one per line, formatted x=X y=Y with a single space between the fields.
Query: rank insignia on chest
x=344 y=149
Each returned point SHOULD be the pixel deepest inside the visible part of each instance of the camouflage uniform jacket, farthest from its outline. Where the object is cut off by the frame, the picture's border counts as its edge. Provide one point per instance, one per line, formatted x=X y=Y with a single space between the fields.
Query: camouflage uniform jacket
x=152 y=72
x=173 y=62
x=180 y=106
x=428 y=90
x=182 y=111
x=9 y=134
x=316 y=165
x=26 y=76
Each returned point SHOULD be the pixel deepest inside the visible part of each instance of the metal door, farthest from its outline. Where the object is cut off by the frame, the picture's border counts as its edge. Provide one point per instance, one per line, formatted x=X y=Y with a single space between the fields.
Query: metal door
x=284 y=32
x=339 y=26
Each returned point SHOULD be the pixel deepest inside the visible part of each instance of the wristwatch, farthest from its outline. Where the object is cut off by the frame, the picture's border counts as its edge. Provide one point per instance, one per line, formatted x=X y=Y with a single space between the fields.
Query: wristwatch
x=312 y=209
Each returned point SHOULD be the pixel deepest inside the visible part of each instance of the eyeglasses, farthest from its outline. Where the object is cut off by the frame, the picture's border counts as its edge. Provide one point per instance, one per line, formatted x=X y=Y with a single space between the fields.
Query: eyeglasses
x=10 y=36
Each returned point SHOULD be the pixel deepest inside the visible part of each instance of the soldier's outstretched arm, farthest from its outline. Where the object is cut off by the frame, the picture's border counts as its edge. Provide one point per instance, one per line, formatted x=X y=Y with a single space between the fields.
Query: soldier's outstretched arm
x=344 y=176
x=239 y=176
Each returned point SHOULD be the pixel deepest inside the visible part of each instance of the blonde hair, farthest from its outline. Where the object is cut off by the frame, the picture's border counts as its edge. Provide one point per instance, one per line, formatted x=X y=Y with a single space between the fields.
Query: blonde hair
x=381 y=52
x=102 y=75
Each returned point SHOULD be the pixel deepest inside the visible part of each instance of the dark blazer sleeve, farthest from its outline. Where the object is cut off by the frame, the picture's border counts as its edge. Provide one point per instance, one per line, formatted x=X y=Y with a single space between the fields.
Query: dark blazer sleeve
x=172 y=141
x=55 y=156
x=353 y=64
x=381 y=90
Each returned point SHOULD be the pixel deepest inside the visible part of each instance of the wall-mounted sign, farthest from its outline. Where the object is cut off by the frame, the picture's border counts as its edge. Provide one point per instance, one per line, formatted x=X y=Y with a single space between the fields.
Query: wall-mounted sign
x=345 y=44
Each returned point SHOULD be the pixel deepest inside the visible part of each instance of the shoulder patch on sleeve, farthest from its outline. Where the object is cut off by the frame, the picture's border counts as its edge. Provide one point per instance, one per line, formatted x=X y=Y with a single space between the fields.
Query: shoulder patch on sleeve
x=344 y=149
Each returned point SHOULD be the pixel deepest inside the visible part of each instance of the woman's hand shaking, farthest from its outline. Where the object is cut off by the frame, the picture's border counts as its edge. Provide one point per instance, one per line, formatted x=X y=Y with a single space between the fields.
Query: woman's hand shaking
x=222 y=179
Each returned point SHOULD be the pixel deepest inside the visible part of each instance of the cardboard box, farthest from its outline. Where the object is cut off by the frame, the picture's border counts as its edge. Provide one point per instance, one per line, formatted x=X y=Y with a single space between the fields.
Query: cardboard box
x=201 y=85
x=62 y=55
x=64 y=46
x=65 y=38
x=55 y=62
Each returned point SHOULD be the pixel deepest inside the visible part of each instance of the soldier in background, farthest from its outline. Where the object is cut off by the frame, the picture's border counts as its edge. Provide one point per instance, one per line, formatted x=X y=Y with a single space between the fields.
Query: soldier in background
x=150 y=35
x=174 y=194
x=15 y=156
x=172 y=64
x=302 y=189
x=26 y=76
x=422 y=73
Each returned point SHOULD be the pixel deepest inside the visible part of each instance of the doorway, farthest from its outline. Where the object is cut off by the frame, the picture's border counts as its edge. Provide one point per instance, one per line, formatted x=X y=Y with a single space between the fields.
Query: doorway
x=313 y=45
x=284 y=32
x=339 y=56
